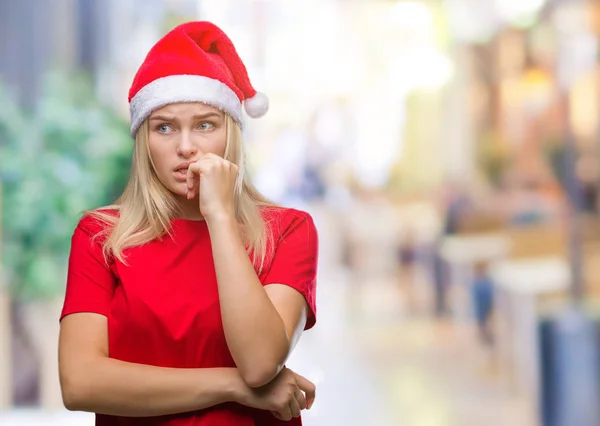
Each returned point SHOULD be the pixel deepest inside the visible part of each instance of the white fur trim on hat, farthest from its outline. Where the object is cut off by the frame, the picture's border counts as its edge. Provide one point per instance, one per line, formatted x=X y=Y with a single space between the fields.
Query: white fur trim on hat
x=183 y=88
x=257 y=105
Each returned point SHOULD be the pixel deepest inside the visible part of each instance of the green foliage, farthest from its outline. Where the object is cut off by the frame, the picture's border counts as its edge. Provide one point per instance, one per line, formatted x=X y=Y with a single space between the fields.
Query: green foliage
x=70 y=154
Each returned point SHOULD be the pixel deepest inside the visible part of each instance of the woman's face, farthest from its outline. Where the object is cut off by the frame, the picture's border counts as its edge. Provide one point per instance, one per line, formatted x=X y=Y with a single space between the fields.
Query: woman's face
x=180 y=134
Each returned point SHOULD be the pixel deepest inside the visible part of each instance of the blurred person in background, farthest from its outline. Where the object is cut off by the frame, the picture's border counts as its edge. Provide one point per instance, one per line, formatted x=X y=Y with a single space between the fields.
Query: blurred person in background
x=185 y=298
x=482 y=294
x=456 y=204
x=407 y=262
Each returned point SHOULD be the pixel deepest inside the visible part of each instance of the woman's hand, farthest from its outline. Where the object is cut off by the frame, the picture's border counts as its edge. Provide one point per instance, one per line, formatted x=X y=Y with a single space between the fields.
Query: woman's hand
x=214 y=179
x=285 y=396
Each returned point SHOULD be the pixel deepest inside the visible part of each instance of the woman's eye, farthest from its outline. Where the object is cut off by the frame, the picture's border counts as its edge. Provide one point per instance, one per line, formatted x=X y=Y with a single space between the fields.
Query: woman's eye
x=205 y=125
x=164 y=128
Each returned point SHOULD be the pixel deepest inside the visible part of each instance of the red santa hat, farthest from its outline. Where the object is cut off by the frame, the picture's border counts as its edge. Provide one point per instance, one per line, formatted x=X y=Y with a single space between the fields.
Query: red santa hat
x=195 y=62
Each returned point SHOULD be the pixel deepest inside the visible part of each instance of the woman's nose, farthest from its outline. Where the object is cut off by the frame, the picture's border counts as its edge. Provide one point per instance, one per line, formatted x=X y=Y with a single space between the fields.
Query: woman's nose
x=186 y=147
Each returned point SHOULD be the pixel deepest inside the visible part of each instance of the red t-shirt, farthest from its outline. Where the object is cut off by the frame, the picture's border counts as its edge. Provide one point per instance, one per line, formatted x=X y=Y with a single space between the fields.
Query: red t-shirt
x=163 y=307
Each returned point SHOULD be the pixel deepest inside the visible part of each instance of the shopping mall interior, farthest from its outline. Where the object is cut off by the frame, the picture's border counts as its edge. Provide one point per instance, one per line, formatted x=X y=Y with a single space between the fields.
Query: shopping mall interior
x=447 y=150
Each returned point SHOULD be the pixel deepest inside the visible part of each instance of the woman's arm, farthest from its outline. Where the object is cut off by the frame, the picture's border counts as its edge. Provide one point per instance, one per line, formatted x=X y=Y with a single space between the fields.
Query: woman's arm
x=261 y=324
x=91 y=381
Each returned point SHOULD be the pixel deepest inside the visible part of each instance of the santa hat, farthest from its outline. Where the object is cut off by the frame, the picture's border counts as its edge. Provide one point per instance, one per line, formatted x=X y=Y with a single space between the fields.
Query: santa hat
x=195 y=62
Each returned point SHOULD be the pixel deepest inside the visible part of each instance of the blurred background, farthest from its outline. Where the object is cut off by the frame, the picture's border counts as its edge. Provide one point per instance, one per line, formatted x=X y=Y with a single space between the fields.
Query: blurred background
x=448 y=150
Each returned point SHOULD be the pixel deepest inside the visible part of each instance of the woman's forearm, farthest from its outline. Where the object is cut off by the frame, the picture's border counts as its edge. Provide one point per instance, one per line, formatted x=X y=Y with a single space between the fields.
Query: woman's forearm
x=109 y=386
x=254 y=330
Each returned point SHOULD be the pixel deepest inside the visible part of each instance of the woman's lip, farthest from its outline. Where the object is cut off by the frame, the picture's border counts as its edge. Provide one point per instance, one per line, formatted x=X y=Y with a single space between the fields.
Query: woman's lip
x=184 y=165
x=180 y=175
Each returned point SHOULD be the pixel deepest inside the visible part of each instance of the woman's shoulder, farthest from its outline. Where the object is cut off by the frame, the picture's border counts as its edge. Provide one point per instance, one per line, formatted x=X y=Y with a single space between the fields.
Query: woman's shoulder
x=285 y=222
x=94 y=222
x=284 y=215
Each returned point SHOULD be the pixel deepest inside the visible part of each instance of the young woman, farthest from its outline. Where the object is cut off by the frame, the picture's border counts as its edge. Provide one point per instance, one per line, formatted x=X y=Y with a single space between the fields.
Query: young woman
x=185 y=298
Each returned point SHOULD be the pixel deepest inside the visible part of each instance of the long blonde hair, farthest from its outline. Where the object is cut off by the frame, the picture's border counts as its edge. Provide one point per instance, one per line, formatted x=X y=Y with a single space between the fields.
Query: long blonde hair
x=147 y=207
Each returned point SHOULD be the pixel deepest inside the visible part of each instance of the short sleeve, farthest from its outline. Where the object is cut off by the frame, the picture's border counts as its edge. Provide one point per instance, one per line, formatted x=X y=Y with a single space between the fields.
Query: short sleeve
x=90 y=282
x=294 y=261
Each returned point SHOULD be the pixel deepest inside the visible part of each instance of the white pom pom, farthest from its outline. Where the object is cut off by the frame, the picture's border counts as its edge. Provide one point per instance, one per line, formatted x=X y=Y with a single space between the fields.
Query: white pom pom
x=257 y=105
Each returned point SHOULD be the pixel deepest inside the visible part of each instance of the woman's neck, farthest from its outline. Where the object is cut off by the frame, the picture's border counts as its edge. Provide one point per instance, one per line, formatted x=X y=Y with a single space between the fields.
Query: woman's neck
x=190 y=209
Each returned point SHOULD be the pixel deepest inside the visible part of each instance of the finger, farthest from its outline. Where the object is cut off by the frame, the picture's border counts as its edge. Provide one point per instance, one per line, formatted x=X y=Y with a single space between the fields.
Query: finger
x=285 y=414
x=211 y=162
x=205 y=166
x=295 y=408
x=211 y=156
x=301 y=399
x=308 y=388
x=216 y=157
x=194 y=173
x=214 y=160
x=195 y=190
x=191 y=171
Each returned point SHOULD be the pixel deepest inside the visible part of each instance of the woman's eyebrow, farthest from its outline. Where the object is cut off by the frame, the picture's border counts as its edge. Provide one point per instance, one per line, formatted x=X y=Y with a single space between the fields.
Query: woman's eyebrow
x=207 y=115
x=162 y=118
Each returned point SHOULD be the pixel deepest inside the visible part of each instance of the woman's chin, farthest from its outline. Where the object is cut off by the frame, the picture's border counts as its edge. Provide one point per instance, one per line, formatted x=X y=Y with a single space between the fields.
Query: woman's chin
x=181 y=194
x=179 y=189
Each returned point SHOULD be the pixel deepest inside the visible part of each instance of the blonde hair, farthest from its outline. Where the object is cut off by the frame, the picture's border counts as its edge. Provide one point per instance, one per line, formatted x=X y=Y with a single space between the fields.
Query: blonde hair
x=147 y=207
